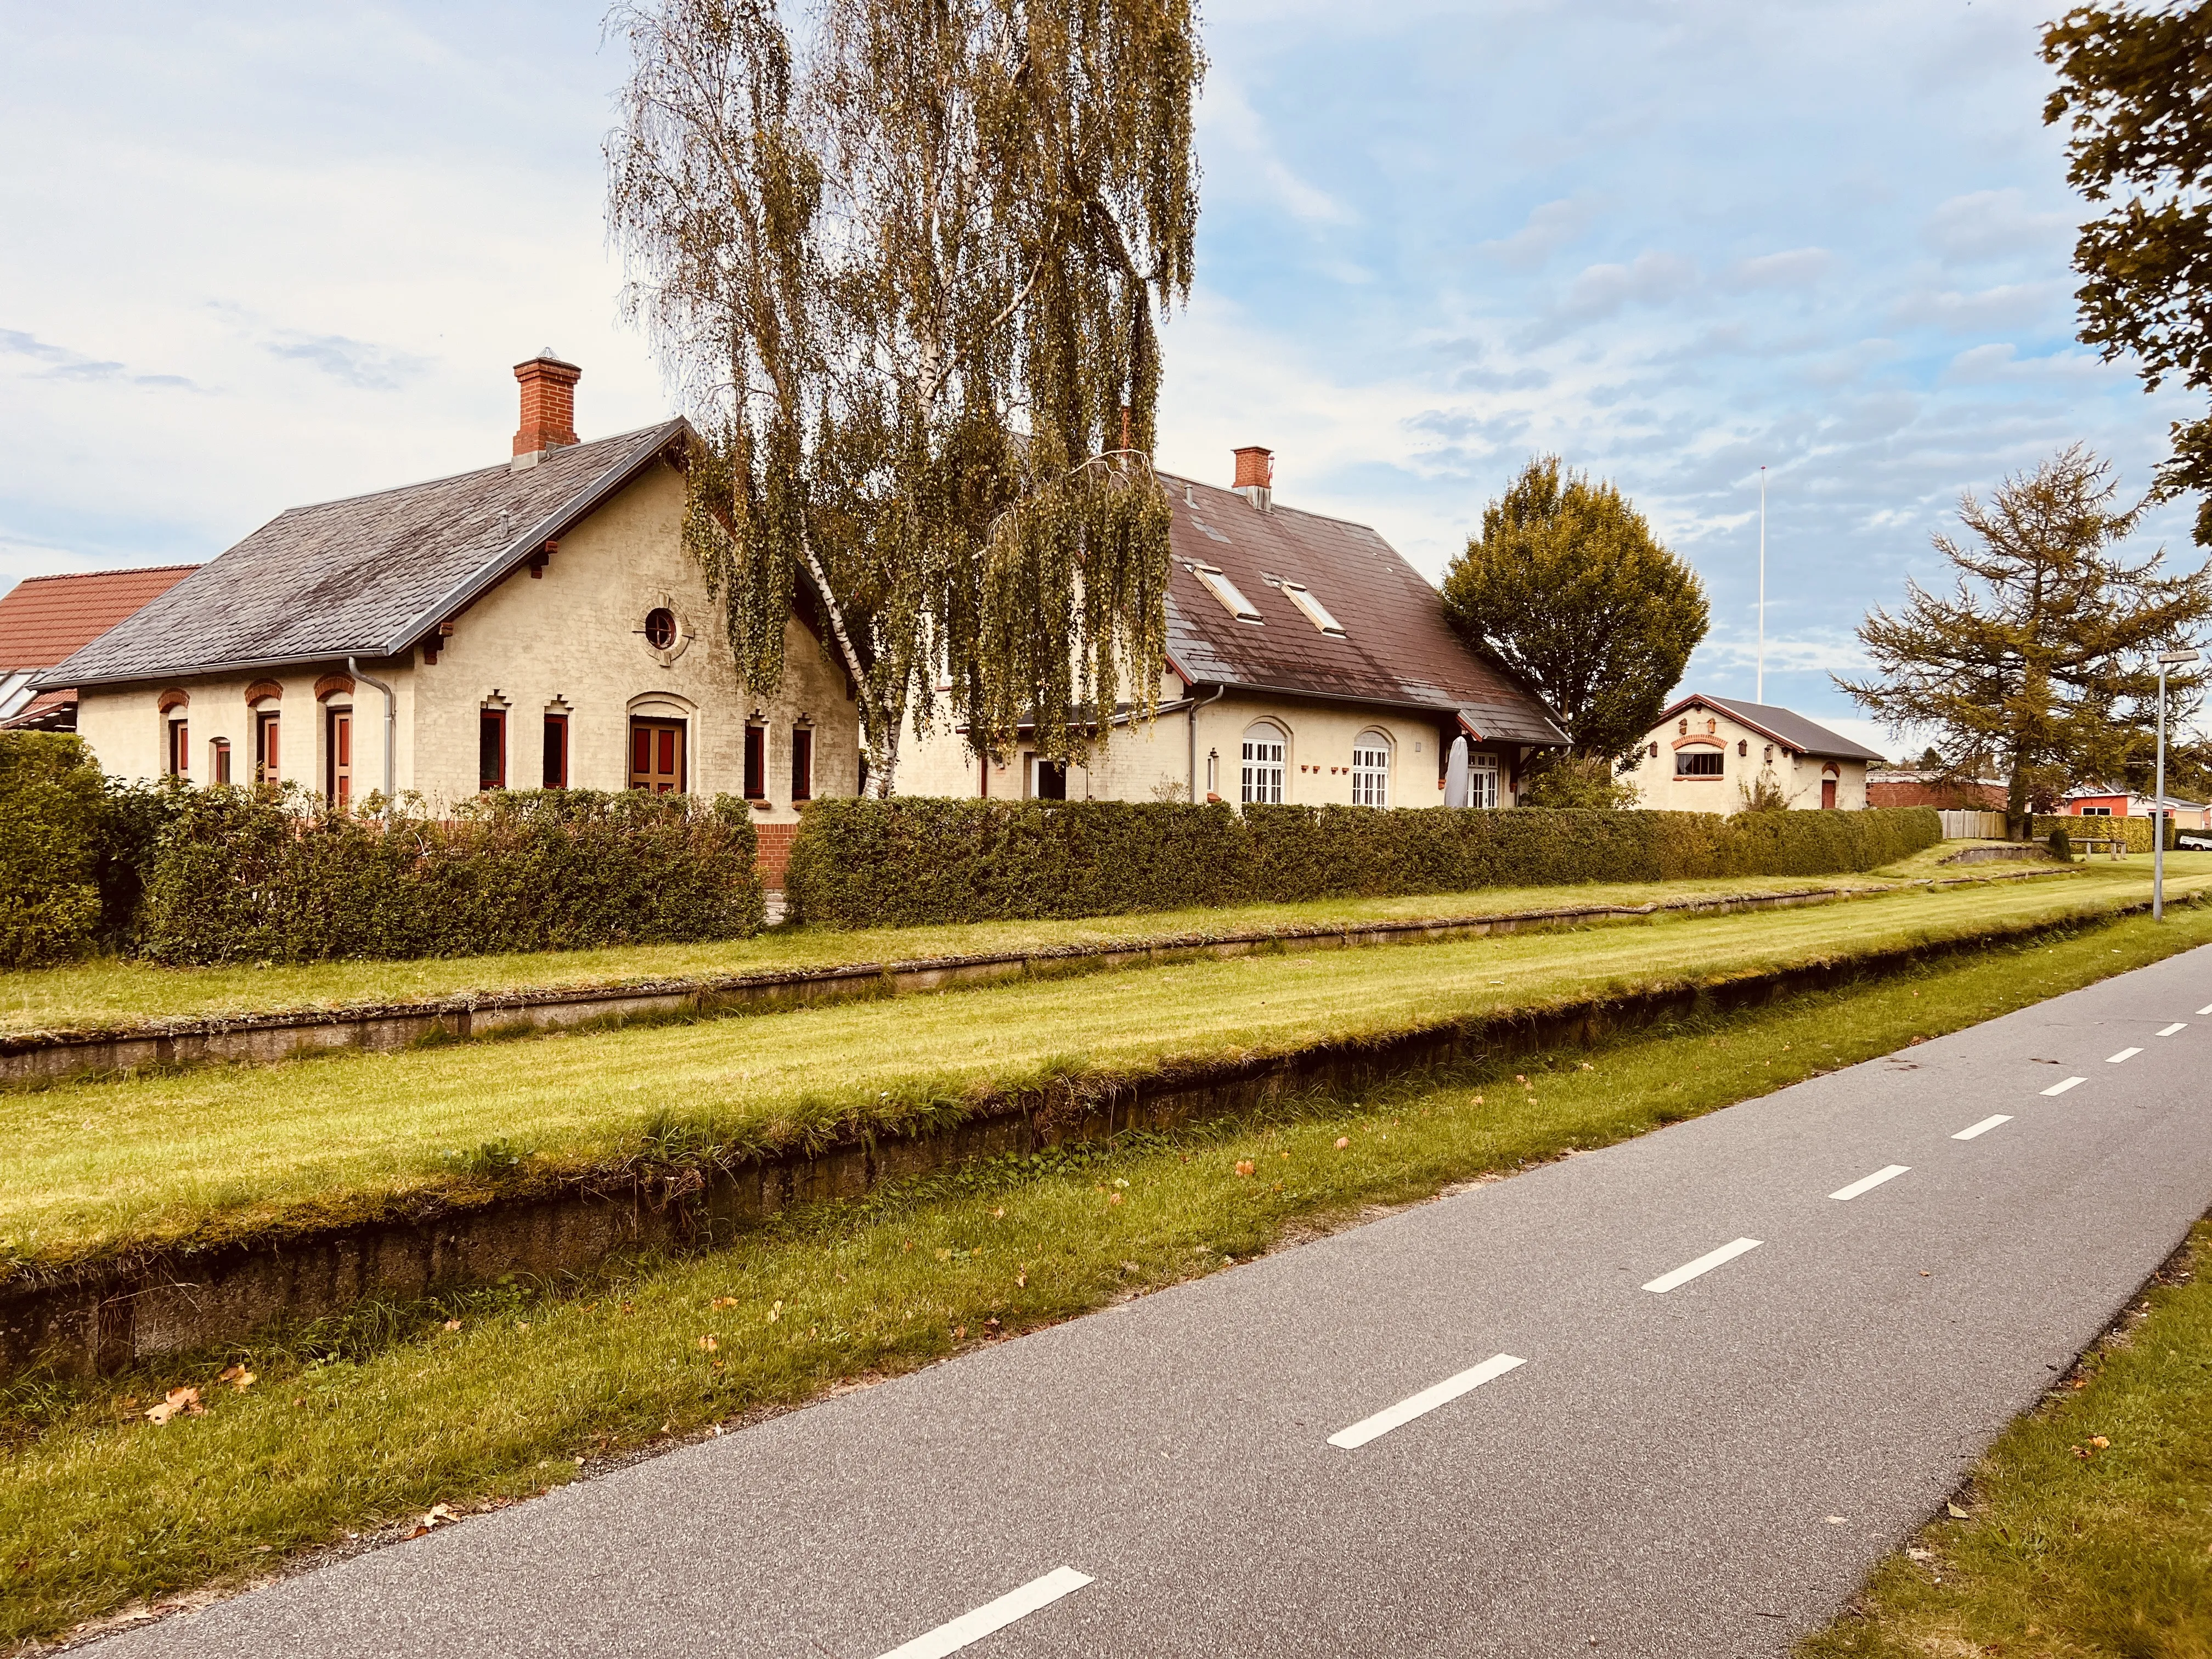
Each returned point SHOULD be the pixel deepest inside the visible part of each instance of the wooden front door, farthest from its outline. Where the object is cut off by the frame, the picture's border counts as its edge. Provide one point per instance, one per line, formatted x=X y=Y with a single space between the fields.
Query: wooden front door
x=1828 y=794
x=656 y=755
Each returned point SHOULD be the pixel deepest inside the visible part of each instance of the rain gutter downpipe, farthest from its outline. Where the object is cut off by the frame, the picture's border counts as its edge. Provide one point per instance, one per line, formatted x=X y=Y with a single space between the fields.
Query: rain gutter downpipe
x=390 y=720
x=1190 y=719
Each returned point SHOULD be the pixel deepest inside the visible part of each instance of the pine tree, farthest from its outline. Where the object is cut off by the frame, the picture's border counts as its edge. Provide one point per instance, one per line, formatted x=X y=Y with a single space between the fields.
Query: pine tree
x=2040 y=656
x=903 y=275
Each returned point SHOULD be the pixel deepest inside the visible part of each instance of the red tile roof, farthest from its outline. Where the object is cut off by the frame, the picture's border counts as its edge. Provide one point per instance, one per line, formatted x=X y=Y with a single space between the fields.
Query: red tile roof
x=43 y=619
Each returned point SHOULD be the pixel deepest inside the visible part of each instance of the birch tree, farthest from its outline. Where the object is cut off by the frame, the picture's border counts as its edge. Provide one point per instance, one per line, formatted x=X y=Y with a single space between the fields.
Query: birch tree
x=905 y=271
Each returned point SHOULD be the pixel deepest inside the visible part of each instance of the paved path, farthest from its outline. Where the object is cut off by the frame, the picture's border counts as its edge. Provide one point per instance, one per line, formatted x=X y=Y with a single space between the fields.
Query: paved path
x=1706 y=1470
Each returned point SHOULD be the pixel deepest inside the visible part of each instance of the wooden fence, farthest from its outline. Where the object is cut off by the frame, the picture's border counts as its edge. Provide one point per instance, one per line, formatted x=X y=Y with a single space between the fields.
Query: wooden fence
x=1972 y=826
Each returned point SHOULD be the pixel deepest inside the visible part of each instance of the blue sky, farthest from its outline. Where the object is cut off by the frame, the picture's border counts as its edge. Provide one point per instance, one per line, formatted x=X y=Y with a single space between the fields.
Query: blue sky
x=264 y=254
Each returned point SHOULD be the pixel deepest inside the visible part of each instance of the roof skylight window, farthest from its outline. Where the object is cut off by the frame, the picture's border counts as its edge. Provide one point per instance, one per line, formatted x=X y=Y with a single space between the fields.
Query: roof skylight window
x=1315 y=612
x=1232 y=599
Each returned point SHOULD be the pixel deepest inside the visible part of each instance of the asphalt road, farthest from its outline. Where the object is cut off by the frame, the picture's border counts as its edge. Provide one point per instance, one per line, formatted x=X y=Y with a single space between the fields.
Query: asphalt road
x=1705 y=1470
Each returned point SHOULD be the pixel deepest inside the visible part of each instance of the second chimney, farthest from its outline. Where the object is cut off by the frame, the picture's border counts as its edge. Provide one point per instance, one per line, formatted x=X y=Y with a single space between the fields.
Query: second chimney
x=1255 y=475
x=549 y=406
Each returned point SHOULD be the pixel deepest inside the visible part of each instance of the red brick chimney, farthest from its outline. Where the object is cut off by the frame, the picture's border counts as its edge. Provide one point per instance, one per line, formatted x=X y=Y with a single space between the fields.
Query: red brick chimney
x=1255 y=475
x=549 y=403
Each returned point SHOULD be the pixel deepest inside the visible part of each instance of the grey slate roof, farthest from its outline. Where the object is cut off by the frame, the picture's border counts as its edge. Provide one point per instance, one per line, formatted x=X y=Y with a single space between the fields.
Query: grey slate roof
x=1397 y=649
x=366 y=576
x=1793 y=731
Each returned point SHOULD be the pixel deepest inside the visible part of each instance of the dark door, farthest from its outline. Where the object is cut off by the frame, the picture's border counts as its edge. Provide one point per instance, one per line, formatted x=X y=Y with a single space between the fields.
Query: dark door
x=1827 y=795
x=341 y=746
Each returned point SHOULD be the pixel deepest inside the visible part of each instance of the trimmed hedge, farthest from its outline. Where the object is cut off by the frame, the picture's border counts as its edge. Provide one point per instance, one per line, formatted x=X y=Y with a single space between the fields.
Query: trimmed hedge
x=2135 y=832
x=53 y=816
x=910 y=862
x=249 y=876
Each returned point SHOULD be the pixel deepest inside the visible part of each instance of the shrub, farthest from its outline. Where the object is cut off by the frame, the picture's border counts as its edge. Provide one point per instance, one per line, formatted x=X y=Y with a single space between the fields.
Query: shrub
x=913 y=860
x=52 y=817
x=245 y=875
x=2061 y=846
x=866 y=863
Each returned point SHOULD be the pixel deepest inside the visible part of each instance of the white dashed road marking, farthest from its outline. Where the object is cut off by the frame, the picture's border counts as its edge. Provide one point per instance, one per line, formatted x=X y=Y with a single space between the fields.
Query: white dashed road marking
x=1868 y=1183
x=2177 y=1025
x=2124 y=1054
x=992 y=1615
x=2206 y=1009
x=2061 y=1088
x=1703 y=1264
x=1427 y=1400
x=1981 y=1128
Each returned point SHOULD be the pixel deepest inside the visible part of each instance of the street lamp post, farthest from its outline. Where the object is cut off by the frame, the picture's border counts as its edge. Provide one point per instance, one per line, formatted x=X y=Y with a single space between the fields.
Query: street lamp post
x=2170 y=659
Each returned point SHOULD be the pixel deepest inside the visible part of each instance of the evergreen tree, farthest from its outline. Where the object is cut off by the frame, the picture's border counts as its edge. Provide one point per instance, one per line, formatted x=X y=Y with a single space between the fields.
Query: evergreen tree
x=903 y=274
x=2041 y=654
x=1567 y=588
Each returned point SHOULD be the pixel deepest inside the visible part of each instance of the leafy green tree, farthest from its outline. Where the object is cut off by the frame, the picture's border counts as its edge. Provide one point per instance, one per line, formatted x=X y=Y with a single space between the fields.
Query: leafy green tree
x=1570 y=780
x=1567 y=588
x=2135 y=93
x=2040 y=655
x=53 y=812
x=904 y=272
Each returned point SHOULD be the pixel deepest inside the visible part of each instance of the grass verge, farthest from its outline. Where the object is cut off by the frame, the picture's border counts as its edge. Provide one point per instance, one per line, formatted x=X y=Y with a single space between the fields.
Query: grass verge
x=87 y=1168
x=2088 y=1529
x=481 y=1401
x=112 y=992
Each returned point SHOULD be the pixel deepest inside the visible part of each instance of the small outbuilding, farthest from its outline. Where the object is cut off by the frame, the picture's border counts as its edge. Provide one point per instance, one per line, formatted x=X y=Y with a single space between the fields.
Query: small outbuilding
x=1708 y=754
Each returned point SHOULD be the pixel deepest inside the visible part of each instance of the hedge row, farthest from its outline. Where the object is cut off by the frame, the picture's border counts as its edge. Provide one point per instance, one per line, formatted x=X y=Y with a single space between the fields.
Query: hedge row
x=2136 y=832
x=908 y=862
x=246 y=875
x=53 y=818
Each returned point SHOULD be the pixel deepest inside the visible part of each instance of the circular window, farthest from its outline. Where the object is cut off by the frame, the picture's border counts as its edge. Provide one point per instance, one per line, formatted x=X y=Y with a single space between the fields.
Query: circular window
x=660 y=628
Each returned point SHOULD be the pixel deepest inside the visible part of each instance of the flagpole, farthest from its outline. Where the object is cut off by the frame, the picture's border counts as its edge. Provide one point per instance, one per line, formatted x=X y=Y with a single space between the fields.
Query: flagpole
x=1760 y=694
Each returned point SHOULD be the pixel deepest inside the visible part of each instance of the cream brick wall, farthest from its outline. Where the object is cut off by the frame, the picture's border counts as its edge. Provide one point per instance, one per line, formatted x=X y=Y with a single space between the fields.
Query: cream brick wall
x=1746 y=755
x=570 y=641
x=1138 y=762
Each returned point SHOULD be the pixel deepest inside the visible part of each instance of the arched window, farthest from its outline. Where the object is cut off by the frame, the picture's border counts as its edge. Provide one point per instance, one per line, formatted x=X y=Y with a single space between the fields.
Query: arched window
x=1370 y=770
x=1263 y=766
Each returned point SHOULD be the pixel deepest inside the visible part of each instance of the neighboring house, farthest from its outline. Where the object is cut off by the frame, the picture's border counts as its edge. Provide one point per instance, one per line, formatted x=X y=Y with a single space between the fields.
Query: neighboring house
x=2097 y=800
x=538 y=621
x=1906 y=786
x=1307 y=664
x=44 y=619
x=1706 y=754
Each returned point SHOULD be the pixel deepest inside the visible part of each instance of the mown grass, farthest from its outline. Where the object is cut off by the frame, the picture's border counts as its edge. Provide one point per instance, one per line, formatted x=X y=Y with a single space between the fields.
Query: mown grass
x=112 y=992
x=218 y=1152
x=2088 y=1529
x=351 y=1427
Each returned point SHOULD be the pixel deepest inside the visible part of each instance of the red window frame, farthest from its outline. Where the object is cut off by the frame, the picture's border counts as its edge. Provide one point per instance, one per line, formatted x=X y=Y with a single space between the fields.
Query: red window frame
x=491 y=749
x=557 y=751
x=756 y=763
x=181 y=749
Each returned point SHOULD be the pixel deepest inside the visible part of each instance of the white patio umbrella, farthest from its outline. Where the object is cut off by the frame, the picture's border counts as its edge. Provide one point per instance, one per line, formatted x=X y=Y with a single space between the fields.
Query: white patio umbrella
x=1455 y=774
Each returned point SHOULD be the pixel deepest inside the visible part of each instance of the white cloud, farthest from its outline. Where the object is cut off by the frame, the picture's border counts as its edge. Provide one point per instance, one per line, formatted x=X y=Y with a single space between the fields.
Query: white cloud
x=1225 y=114
x=1993 y=224
x=1798 y=267
x=1548 y=228
x=2009 y=306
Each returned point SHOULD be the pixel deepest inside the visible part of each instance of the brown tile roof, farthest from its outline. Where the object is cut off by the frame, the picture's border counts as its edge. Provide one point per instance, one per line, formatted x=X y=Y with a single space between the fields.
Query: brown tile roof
x=368 y=575
x=45 y=618
x=1790 y=729
x=1396 y=647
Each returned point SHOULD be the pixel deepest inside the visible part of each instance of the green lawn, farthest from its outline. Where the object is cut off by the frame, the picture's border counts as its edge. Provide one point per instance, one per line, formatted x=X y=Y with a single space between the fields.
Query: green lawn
x=378 y=1418
x=110 y=993
x=221 y=1151
x=2088 y=1529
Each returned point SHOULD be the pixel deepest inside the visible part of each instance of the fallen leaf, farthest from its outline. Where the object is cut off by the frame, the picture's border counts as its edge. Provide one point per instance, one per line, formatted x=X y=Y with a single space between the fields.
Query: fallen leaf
x=1343 y=1141
x=1835 y=1520
x=943 y=1254
x=776 y=1313
x=1955 y=1512
x=1286 y=1157
x=2099 y=1441
x=724 y=1301
x=707 y=1344
x=1517 y=1077
x=1113 y=1198
x=438 y=1515
x=181 y=1402
x=238 y=1377
x=1243 y=1166
x=959 y=1333
x=452 y=1324
x=999 y=1214
x=1021 y=1280
x=1131 y=1267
